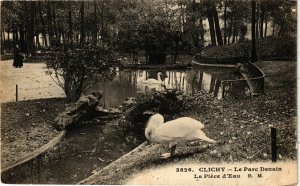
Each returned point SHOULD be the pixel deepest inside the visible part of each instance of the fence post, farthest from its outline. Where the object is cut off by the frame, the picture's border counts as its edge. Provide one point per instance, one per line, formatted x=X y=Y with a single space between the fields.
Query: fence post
x=223 y=89
x=16 y=93
x=273 y=144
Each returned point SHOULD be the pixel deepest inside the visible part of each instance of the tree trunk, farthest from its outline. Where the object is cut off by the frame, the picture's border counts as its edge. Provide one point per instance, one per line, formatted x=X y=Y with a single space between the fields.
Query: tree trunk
x=229 y=29
x=102 y=20
x=17 y=36
x=54 y=23
x=266 y=26
x=43 y=24
x=262 y=16
x=8 y=39
x=175 y=51
x=82 y=24
x=95 y=22
x=201 y=29
x=182 y=17
x=233 y=30
x=253 y=48
x=257 y=23
x=3 y=42
x=211 y=27
x=70 y=34
x=38 y=44
x=217 y=26
x=14 y=38
x=50 y=31
x=273 y=31
x=146 y=55
x=30 y=31
x=225 y=23
x=36 y=33
x=233 y=34
x=280 y=30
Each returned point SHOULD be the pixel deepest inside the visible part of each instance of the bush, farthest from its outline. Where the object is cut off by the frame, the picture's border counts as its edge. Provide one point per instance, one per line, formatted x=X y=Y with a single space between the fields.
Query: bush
x=75 y=65
x=169 y=103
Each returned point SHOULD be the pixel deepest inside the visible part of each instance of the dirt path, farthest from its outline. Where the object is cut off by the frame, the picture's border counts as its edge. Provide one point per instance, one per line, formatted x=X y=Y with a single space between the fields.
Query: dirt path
x=32 y=81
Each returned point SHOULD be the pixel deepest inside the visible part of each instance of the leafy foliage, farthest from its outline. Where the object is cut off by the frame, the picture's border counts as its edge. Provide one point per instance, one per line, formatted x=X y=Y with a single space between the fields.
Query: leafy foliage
x=73 y=65
x=135 y=27
x=169 y=103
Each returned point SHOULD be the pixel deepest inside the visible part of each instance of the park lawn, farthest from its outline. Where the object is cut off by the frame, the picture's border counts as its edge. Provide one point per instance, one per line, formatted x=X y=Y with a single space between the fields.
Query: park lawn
x=27 y=125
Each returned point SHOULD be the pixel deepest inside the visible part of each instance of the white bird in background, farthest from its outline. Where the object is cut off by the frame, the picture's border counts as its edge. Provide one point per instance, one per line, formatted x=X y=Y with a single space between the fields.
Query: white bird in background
x=154 y=81
x=178 y=131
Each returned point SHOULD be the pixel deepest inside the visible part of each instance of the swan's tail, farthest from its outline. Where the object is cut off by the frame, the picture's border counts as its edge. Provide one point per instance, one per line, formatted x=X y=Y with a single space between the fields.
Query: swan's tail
x=209 y=140
x=203 y=137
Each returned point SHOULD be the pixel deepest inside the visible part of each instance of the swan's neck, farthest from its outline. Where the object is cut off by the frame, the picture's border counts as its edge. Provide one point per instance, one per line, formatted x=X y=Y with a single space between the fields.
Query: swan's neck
x=153 y=123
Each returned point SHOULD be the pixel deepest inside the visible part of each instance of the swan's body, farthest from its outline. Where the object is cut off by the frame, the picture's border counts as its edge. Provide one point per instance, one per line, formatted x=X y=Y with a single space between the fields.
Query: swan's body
x=178 y=131
x=154 y=81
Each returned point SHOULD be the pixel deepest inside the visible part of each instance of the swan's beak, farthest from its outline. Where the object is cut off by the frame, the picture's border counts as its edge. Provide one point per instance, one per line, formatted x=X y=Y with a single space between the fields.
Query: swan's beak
x=148 y=142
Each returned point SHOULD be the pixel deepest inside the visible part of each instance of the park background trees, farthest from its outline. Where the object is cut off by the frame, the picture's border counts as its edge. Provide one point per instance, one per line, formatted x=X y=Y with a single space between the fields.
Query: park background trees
x=152 y=29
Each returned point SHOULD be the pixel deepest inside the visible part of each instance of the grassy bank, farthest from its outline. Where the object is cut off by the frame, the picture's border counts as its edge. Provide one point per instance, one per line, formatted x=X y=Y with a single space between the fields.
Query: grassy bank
x=267 y=48
x=26 y=126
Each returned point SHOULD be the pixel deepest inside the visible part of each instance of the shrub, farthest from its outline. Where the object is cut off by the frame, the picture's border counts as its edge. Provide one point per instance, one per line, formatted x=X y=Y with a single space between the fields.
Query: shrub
x=75 y=65
x=169 y=103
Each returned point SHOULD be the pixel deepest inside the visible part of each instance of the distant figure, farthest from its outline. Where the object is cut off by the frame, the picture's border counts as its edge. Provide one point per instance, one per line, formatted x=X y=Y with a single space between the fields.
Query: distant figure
x=18 y=58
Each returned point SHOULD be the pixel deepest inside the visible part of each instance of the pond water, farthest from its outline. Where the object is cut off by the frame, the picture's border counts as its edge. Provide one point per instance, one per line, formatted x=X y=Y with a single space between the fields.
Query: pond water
x=82 y=150
x=130 y=83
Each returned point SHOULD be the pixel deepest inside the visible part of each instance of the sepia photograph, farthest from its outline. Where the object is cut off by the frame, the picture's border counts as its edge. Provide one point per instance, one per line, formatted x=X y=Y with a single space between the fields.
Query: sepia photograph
x=148 y=92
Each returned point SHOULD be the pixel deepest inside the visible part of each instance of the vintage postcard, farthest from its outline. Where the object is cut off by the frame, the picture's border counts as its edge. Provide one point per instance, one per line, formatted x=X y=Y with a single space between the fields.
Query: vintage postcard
x=149 y=92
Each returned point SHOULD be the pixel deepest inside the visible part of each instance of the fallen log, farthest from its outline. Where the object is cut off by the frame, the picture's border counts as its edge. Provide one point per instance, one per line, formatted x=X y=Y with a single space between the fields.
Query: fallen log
x=78 y=111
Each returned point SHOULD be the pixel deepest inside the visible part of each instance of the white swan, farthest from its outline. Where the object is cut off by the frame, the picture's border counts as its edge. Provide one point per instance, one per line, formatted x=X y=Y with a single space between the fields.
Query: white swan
x=154 y=81
x=178 y=131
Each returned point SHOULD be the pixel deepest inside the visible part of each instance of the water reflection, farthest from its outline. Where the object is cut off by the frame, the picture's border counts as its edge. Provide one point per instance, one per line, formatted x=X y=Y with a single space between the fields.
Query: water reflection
x=129 y=82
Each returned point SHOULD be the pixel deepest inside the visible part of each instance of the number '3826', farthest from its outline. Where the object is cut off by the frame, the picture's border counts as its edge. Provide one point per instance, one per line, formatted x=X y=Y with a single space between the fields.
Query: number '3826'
x=184 y=170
